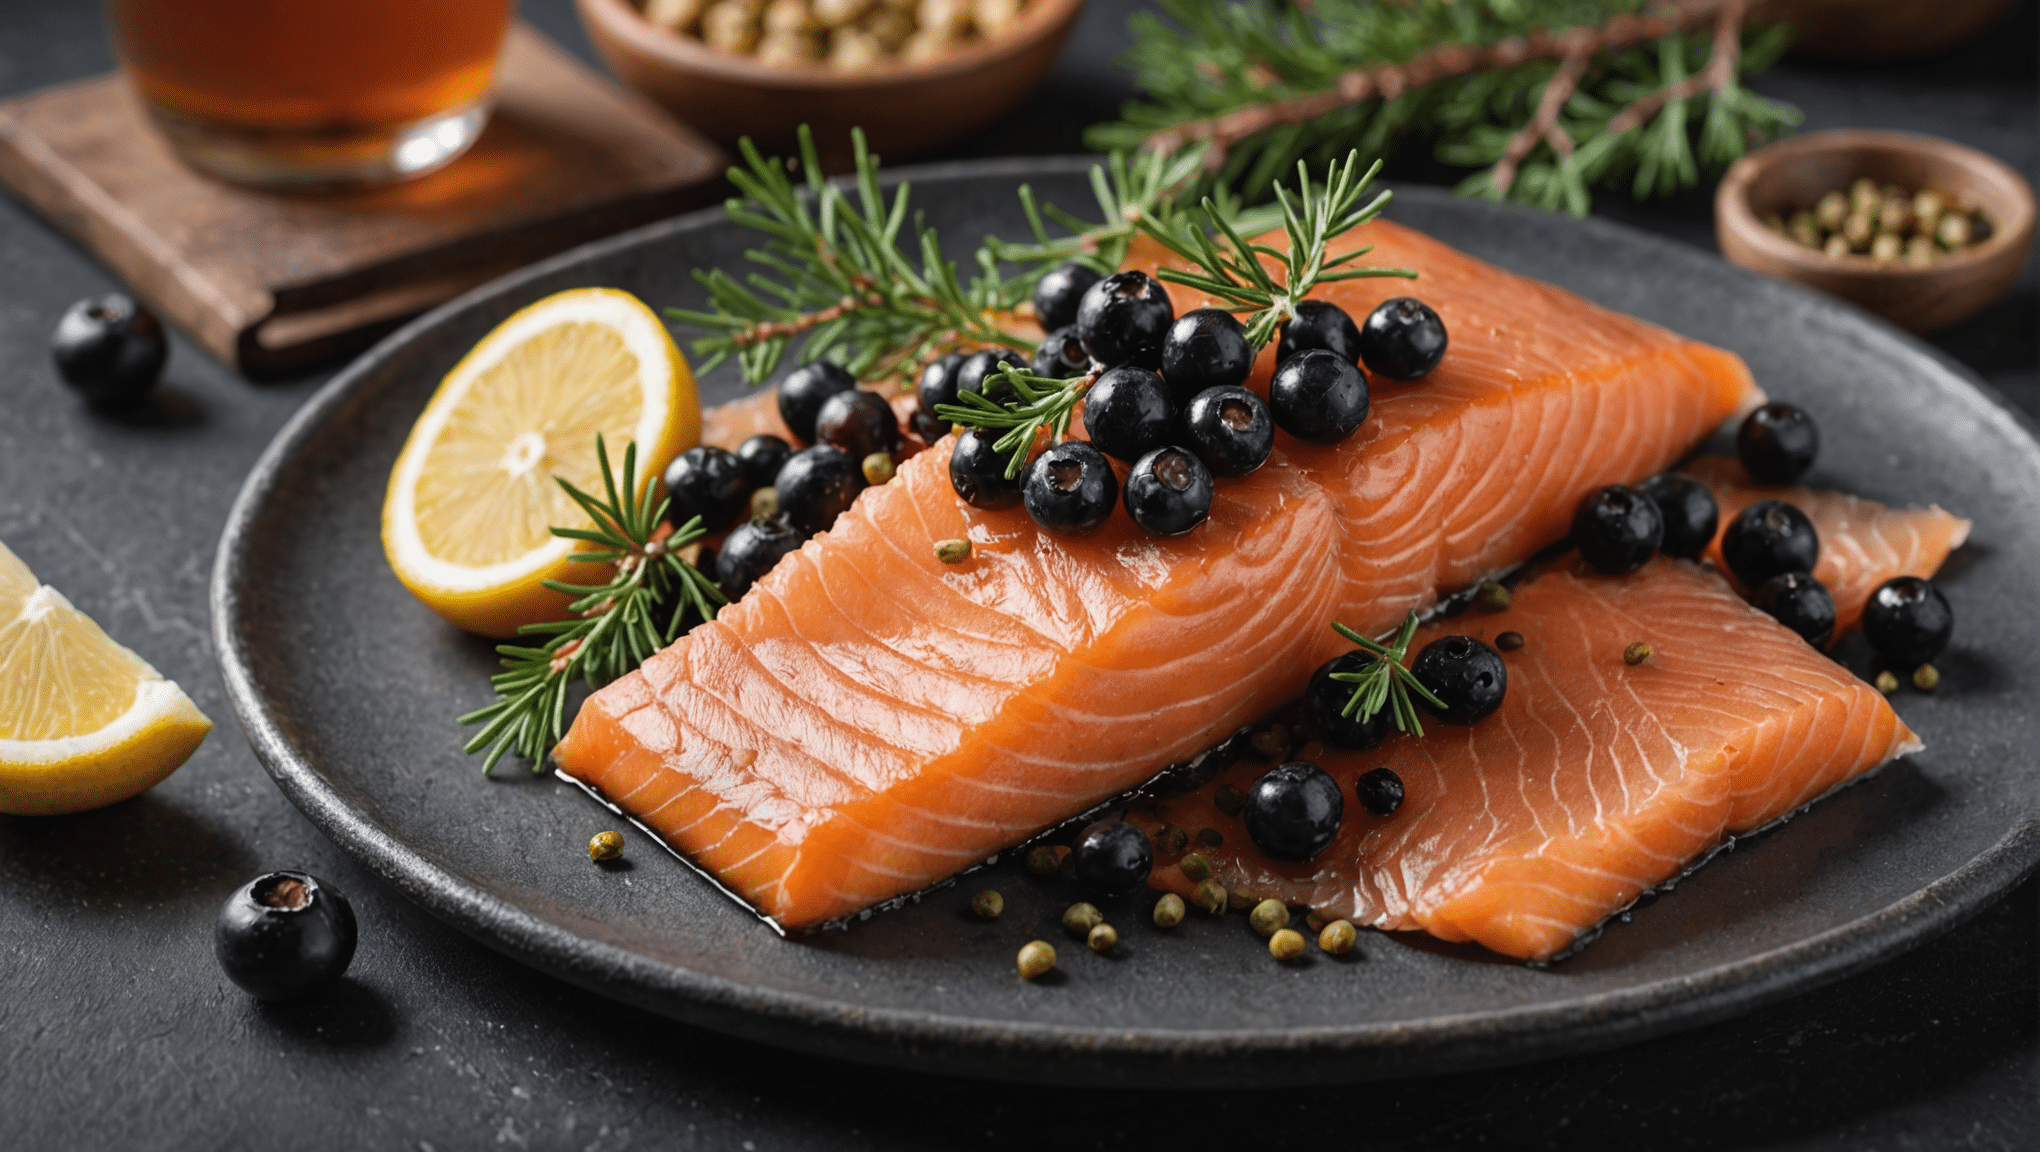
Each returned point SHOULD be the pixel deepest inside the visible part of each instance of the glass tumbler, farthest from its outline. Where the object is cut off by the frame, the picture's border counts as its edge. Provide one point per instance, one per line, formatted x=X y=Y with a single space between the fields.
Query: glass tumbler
x=313 y=93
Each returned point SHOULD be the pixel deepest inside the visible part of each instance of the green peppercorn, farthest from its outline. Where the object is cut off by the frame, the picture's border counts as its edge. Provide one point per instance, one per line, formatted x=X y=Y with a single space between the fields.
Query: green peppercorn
x=1102 y=938
x=1270 y=743
x=764 y=504
x=1240 y=901
x=1836 y=246
x=1926 y=677
x=1804 y=229
x=988 y=904
x=1492 y=596
x=1919 y=251
x=1229 y=800
x=605 y=846
x=1953 y=231
x=1195 y=866
x=1315 y=919
x=1286 y=944
x=1887 y=246
x=1509 y=641
x=1169 y=910
x=1170 y=840
x=1211 y=896
x=1268 y=916
x=1037 y=957
x=1927 y=207
x=1636 y=654
x=1886 y=682
x=878 y=468
x=1337 y=938
x=1831 y=210
x=1895 y=215
x=1858 y=229
x=1863 y=194
x=952 y=551
x=1044 y=860
x=1210 y=837
x=1081 y=918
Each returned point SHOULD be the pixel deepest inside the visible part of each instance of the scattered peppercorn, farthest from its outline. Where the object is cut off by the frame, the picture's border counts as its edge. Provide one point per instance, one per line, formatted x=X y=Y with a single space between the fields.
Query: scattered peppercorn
x=1926 y=678
x=1210 y=837
x=764 y=503
x=605 y=846
x=1509 y=641
x=1886 y=682
x=1171 y=840
x=1240 y=901
x=1044 y=860
x=1169 y=910
x=1211 y=896
x=1286 y=944
x=1268 y=917
x=1195 y=866
x=952 y=551
x=1103 y=938
x=1229 y=800
x=1081 y=917
x=1337 y=938
x=1315 y=920
x=988 y=904
x=1636 y=654
x=1271 y=743
x=878 y=468
x=1492 y=596
x=1037 y=957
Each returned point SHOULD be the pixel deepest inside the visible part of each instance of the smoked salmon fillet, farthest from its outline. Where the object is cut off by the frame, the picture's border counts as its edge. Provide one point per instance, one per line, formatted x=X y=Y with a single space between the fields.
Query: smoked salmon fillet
x=1862 y=543
x=867 y=720
x=1594 y=780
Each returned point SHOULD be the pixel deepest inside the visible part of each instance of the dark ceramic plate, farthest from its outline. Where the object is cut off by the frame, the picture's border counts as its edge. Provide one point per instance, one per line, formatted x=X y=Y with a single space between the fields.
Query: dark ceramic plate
x=348 y=688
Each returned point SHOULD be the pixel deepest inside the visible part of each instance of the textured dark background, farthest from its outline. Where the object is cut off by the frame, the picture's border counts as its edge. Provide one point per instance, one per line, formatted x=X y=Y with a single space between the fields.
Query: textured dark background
x=116 y=1030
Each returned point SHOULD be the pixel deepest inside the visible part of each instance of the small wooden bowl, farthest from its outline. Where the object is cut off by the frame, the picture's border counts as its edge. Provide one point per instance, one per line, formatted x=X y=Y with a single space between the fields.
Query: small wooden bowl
x=1793 y=173
x=905 y=110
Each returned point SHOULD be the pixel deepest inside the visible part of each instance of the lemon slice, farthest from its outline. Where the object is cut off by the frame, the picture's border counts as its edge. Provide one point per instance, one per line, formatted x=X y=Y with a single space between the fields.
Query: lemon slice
x=83 y=721
x=472 y=498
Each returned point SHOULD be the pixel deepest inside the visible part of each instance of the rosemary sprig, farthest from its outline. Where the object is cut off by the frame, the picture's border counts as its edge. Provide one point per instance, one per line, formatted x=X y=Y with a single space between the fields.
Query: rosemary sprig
x=1386 y=682
x=1312 y=217
x=1037 y=402
x=831 y=269
x=612 y=630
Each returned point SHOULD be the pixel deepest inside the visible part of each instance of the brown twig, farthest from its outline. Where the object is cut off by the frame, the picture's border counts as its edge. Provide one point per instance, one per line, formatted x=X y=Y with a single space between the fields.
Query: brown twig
x=1543 y=124
x=1719 y=74
x=773 y=329
x=1388 y=81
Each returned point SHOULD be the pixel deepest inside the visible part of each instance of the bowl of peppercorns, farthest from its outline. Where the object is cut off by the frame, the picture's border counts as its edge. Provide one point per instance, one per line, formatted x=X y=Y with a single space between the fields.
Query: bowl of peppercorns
x=1921 y=231
x=913 y=74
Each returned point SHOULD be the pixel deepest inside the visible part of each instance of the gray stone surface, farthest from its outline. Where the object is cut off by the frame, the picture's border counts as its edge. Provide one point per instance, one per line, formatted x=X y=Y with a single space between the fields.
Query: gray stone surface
x=117 y=1031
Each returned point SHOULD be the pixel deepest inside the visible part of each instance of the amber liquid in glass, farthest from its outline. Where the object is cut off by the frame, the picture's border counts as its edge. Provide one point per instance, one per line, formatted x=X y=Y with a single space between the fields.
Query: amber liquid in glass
x=313 y=91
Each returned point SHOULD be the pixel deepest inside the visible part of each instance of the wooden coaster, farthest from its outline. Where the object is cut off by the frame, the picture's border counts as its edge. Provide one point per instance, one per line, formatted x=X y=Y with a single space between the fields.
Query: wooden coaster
x=270 y=281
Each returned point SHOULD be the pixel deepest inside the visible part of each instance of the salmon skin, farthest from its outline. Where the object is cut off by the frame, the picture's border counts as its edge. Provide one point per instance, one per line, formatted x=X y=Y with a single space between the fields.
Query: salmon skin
x=868 y=721
x=1594 y=781
x=1862 y=543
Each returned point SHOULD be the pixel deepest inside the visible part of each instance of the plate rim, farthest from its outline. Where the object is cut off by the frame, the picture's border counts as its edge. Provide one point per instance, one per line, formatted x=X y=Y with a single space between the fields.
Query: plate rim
x=1061 y=1053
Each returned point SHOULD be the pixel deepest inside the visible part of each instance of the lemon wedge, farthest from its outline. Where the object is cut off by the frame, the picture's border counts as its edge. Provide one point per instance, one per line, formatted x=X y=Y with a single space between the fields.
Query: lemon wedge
x=471 y=499
x=83 y=721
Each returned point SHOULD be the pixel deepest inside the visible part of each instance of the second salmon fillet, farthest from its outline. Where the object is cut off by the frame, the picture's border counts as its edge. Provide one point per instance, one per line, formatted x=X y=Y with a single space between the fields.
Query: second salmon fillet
x=868 y=720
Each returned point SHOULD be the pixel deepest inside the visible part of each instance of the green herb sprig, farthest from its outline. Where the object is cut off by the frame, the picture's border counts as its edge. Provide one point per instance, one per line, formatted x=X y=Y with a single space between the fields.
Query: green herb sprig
x=831 y=271
x=613 y=628
x=1312 y=217
x=1385 y=682
x=1036 y=402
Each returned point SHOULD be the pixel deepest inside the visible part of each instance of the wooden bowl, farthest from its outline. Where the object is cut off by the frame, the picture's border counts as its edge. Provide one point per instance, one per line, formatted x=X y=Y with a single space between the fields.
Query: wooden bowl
x=905 y=109
x=1879 y=31
x=1792 y=173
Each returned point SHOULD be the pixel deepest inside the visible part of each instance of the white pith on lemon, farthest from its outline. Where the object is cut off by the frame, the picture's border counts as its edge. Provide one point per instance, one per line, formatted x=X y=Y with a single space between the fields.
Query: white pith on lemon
x=472 y=497
x=83 y=721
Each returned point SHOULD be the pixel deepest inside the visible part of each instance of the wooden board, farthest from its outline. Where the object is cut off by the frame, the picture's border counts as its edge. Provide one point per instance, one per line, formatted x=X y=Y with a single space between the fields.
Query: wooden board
x=270 y=281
